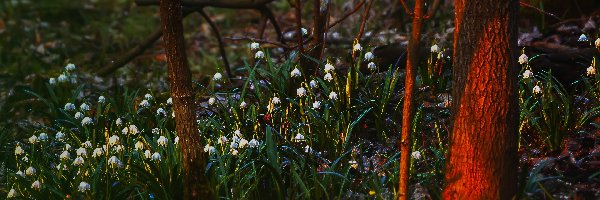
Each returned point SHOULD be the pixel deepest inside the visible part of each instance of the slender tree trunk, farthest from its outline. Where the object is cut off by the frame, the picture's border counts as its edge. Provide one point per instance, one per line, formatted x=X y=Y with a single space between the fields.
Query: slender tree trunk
x=409 y=90
x=318 y=44
x=482 y=163
x=196 y=185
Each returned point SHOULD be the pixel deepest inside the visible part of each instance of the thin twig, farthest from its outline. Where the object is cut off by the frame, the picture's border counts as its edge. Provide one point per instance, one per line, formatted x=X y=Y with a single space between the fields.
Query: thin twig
x=267 y=12
x=219 y=40
x=406 y=8
x=539 y=10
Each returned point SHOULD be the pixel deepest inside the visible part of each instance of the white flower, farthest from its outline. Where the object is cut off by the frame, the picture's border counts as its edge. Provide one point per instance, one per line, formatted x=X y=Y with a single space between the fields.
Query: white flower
x=11 y=194
x=299 y=138
x=156 y=156
x=253 y=143
x=243 y=143
x=144 y=103
x=131 y=129
x=78 y=161
x=19 y=150
x=333 y=96
x=162 y=141
x=147 y=154
x=222 y=140
x=62 y=78
x=113 y=140
x=259 y=55
x=591 y=70
x=275 y=100
x=435 y=48
x=101 y=99
x=254 y=46
x=237 y=132
x=84 y=107
x=119 y=148
x=155 y=131
x=597 y=42
x=26 y=159
x=36 y=185
x=83 y=186
x=170 y=101
x=139 y=145
x=70 y=67
x=43 y=137
x=211 y=101
x=115 y=162
x=582 y=38
x=148 y=97
x=328 y=77
x=308 y=149
x=52 y=81
x=81 y=152
x=78 y=115
x=313 y=84
x=243 y=104
x=301 y=92
x=218 y=76
x=234 y=144
x=329 y=67
x=67 y=147
x=416 y=155
x=295 y=72
x=209 y=149
x=369 y=56
x=65 y=155
x=119 y=122
x=537 y=89
x=523 y=59
x=20 y=173
x=316 y=105
x=59 y=136
x=357 y=47
x=176 y=140
x=161 y=112
x=69 y=106
x=97 y=152
x=87 y=144
x=372 y=66
x=304 y=31
x=527 y=74
x=30 y=171
x=86 y=121
x=33 y=139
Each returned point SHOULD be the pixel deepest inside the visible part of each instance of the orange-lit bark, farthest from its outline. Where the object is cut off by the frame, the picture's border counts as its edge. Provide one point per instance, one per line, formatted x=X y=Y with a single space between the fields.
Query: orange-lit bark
x=482 y=162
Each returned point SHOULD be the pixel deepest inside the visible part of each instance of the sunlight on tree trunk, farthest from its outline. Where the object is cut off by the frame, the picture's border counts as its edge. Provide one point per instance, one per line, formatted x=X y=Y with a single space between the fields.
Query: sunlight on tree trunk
x=196 y=184
x=482 y=163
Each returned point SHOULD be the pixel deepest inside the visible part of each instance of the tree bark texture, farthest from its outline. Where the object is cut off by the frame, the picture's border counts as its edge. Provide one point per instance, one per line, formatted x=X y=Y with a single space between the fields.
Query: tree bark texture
x=409 y=90
x=482 y=163
x=195 y=185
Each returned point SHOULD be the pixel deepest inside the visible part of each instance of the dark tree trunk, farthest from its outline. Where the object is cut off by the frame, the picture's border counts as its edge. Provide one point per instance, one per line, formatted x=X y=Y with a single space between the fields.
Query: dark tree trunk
x=409 y=90
x=482 y=163
x=196 y=185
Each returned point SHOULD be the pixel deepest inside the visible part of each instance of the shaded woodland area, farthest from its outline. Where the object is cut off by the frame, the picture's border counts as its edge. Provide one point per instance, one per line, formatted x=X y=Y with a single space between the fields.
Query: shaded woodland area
x=300 y=99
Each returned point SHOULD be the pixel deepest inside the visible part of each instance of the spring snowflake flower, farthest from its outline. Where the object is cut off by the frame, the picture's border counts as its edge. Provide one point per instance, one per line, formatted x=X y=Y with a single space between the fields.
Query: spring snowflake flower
x=70 y=67
x=25 y=159
x=81 y=152
x=78 y=161
x=372 y=66
x=435 y=48
x=87 y=121
x=87 y=144
x=36 y=185
x=11 y=194
x=131 y=129
x=144 y=103
x=243 y=143
x=67 y=147
x=59 y=136
x=537 y=89
x=101 y=99
x=33 y=139
x=304 y=31
x=20 y=173
x=597 y=42
x=313 y=84
x=295 y=72
x=254 y=46
x=69 y=106
x=52 y=81
x=275 y=100
x=170 y=101
x=62 y=78
x=113 y=140
x=527 y=74
x=591 y=70
x=316 y=105
x=369 y=56
x=416 y=155
x=43 y=137
x=234 y=144
x=119 y=122
x=582 y=38
x=161 y=112
x=253 y=143
x=237 y=132
x=299 y=138
x=259 y=55
x=139 y=145
x=301 y=92
x=243 y=104
x=30 y=171
x=308 y=149
x=329 y=67
x=148 y=97
x=523 y=59
x=97 y=152
x=162 y=141
x=115 y=162
x=156 y=156
x=222 y=140
x=84 y=107
x=19 y=151
x=357 y=47
x=210 y=149
x=78 y=115
x=176 y=140
x=328 y=77
x=83 y=186
x=147 y=154
x=211 y=101
x=155 y=131
x=333 y=96
x=218 y=76
x=119 y=148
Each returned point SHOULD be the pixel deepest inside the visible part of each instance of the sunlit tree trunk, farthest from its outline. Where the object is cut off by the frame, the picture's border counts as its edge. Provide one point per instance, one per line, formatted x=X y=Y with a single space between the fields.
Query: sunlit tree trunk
x=195 y=185
x=482 y=163
x=409 y=90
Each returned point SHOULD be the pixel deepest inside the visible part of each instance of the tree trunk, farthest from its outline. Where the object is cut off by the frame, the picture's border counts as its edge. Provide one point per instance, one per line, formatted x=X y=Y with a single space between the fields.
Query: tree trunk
x=195 y=185
x=409 y=90
x=482 y=163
